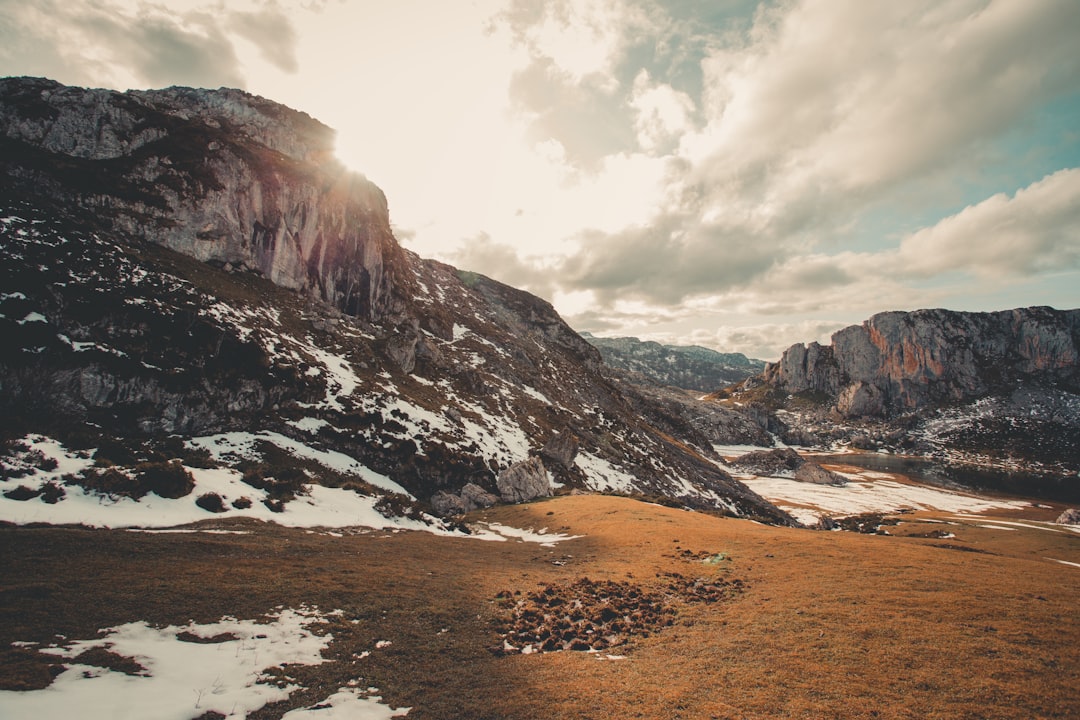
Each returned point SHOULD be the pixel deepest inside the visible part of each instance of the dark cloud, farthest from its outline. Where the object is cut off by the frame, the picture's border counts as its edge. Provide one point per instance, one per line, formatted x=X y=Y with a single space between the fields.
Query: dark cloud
x=91 y=43
x=674 y=257
x=589 y=121
x=272 y=32
x=172 y=51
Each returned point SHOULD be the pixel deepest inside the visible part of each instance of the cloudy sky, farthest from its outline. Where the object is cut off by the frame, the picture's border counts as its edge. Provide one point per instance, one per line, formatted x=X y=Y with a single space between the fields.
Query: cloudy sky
x=741 y=175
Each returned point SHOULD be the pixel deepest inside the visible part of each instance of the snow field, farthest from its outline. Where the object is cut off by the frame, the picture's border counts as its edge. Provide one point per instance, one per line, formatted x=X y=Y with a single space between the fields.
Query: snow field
x=320 y=507
x=866 y=493
x=183 y=679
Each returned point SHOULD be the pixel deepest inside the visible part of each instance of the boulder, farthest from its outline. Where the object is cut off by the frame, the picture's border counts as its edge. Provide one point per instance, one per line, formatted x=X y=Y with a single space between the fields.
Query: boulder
x=445 y=504
x=1069 y=517
x=476 y=497
x=524 y=481
x=781 y=461
x=471 y=497
x=814 y=473
x=562 y=449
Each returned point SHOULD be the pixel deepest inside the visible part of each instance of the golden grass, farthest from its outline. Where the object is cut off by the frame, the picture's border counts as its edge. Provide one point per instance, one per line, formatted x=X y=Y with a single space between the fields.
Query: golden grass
x=828 y=624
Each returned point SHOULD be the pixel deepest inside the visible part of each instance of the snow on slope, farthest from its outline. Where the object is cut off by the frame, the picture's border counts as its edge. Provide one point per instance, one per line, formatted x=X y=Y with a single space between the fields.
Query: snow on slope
x=182 y=679
x=316 y=507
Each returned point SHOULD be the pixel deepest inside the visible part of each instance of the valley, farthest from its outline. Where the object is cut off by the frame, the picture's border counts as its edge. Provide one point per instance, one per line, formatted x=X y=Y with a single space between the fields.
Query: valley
x=953 y=614
x=258 y=460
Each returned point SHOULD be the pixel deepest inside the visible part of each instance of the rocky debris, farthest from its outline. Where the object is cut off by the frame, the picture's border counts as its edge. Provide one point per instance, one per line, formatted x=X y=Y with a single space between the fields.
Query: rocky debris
x=688 y=367
x=591 y=616
x=785 y=462
x=524 y=481
x=1069 y=517
x=900 y=361
x=561 y=449
x=470 y=497
x=866 y=523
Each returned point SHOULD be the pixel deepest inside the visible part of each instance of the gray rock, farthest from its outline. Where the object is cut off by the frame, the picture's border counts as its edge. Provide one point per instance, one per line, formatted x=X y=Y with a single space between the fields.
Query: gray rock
x=471 y=497
x=814 y=473
x=860 y=399
x=524 y=481
x=315 y=228
x=785 y=462
x=562 y=449
x=476 y=497
x=446 y=504
x=1069 y=517
x=778 y=462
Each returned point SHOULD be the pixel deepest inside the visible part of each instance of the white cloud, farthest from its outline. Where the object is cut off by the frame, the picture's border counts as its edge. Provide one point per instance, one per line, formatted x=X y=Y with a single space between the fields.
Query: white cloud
x=663 y=113
x=1036 y=230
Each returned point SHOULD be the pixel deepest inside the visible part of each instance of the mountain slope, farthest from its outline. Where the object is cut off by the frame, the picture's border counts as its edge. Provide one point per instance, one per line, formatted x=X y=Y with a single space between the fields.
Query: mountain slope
x=202 y=266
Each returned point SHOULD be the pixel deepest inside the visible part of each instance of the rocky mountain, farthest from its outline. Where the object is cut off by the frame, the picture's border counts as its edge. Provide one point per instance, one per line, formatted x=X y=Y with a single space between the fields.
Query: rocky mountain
x=997 y=386
x=689 y=367
x=188 y=275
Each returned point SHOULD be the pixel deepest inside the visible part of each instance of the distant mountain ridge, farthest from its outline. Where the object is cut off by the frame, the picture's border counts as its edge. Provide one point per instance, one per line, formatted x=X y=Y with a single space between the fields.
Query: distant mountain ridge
x=690 y=367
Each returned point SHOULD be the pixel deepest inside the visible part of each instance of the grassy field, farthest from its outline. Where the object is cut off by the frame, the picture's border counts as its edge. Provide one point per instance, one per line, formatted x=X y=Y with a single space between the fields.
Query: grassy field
x=810 y=624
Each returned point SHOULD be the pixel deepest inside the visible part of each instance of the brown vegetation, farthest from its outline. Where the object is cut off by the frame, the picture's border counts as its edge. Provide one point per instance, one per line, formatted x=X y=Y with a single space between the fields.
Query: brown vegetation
x=752 y=621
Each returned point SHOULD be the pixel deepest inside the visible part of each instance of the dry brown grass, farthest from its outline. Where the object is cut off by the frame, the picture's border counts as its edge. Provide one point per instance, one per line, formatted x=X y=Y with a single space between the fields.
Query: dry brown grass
x=827 y=625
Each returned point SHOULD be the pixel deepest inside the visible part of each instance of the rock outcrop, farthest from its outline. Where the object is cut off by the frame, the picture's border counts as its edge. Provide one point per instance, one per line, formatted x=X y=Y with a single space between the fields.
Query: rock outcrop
x=897 y=361
x=223 y=176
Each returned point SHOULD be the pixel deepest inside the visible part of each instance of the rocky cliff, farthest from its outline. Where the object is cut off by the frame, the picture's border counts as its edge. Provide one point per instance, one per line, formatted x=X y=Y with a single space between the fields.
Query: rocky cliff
x=223 y=176
x=189 y=269
x=902 y=361
x=999 y=389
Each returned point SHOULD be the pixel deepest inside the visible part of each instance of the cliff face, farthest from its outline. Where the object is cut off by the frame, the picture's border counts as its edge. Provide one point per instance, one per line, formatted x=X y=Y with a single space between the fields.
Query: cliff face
x=222 y=176
x=898 y=361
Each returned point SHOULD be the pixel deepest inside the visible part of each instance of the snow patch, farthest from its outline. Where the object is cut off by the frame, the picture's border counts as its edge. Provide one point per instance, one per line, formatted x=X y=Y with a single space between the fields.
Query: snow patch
x=182 y=679
x=244 y=444
x=497 y=532
x=602 y=475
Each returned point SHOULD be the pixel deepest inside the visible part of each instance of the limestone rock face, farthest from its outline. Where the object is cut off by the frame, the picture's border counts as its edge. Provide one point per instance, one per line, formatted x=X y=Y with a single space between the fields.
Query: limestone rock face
x=524 y=481
x=220 y=175
x=899 y=361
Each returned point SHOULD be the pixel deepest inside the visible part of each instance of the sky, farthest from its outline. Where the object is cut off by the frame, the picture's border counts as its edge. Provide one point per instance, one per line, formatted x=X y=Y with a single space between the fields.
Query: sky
x=734 y=174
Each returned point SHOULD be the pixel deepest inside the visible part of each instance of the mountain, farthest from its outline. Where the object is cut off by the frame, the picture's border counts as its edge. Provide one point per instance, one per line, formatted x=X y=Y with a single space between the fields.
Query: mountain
x=189 y=275
x=690 y=367
x=999 y=387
